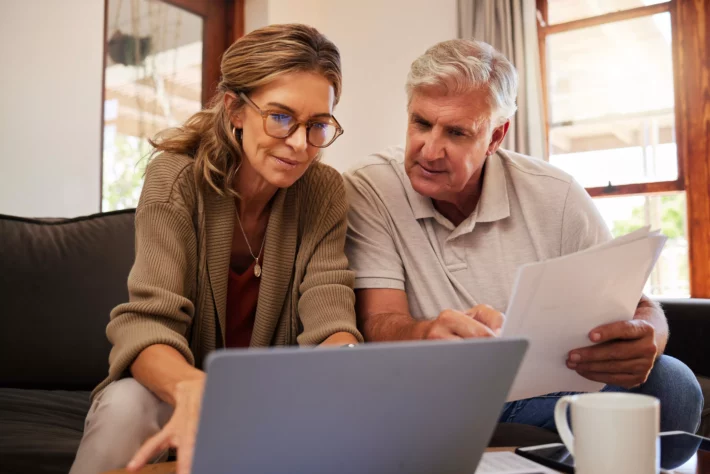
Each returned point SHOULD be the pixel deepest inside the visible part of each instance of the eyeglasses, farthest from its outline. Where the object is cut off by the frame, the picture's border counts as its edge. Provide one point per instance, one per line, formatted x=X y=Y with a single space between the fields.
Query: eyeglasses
x=279 y=124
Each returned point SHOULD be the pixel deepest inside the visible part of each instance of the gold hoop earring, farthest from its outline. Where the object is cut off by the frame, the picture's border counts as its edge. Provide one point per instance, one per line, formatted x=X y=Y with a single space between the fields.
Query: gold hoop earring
x=238 y=133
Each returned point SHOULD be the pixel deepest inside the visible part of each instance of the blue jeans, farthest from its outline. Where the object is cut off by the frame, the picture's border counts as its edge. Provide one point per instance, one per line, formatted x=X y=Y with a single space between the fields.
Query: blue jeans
x=670 y=380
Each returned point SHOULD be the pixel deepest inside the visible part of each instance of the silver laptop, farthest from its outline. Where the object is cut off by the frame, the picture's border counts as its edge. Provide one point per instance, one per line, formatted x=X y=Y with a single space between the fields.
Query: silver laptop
x=412 y=407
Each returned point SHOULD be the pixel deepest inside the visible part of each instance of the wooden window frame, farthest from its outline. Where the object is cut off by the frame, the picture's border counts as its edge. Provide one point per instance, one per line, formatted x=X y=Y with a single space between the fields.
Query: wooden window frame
x=223 y=24
x=690 y=20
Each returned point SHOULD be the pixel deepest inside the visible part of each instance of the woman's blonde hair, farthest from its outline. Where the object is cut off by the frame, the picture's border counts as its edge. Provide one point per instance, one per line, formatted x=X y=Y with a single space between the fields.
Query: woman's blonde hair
x=252 y=61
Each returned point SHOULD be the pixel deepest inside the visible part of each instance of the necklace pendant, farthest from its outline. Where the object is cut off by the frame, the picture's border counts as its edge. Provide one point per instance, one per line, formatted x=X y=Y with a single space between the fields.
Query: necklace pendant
x=257 y=270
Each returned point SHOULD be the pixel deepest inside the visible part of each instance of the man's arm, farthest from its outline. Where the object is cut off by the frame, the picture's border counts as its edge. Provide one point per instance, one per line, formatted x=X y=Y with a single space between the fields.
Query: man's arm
x=383 y=315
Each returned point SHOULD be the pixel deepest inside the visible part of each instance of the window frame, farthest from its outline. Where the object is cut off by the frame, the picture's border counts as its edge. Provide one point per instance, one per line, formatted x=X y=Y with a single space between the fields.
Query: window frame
x=690 y=33
x=223 y=24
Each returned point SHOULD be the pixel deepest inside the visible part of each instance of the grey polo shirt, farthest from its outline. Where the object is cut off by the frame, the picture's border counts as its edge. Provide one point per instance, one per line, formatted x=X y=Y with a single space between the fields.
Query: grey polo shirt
x=528 y=211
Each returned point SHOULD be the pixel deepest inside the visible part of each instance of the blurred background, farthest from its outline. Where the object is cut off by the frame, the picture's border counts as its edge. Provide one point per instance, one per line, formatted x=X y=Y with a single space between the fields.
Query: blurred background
x=600 y=88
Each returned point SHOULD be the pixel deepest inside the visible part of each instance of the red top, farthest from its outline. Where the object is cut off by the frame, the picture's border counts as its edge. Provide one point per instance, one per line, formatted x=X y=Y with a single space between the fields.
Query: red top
x=242 y=296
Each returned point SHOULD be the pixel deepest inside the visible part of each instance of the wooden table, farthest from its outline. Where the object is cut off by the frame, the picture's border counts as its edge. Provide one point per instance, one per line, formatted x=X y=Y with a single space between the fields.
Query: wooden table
x=159 y=468
x=169 y=467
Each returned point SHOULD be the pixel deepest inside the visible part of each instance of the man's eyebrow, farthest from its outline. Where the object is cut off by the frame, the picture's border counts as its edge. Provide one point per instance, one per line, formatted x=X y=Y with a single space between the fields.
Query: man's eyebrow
x=416 y=116
x=472 y=129
x=468 y=129
x=461 y=130
x=293 y=112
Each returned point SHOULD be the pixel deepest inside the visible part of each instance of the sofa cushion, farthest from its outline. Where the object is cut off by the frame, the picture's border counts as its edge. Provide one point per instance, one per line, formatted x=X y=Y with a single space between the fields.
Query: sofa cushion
x=689 y=326
x=59 y=281
x=40 y=430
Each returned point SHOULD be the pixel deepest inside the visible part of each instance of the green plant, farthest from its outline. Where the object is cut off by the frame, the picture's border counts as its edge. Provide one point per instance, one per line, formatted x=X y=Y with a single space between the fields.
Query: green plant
x=124 y=169
x=672 y=221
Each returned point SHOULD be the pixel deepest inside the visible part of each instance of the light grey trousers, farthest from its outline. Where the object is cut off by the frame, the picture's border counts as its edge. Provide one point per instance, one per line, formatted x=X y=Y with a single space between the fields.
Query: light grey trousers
x=120 y=419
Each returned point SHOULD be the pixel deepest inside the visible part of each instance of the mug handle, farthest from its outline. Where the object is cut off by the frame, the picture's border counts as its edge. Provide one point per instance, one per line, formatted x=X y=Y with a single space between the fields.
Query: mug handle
x=561 y=421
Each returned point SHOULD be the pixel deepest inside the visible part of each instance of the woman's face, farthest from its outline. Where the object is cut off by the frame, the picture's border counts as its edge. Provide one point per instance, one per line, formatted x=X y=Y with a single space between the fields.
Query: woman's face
x=302 y=95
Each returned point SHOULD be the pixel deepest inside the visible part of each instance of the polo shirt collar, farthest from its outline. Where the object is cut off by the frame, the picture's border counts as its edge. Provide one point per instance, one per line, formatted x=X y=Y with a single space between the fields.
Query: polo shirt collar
x=493 y=204
x=422 y=206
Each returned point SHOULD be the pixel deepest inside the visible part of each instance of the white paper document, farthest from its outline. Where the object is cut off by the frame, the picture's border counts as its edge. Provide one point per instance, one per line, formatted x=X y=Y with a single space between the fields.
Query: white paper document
x=509 y=463
x=556 y=303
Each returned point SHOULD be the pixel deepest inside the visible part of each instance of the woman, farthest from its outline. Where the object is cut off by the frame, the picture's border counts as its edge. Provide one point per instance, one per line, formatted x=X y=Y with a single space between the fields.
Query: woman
x=239 y=242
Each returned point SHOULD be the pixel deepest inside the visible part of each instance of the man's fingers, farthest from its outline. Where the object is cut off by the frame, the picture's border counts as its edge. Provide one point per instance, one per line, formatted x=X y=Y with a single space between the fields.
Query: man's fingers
x=488 y=316
x=634 y=366
x=621 y=380
x=479 y=330
x=635 y=329
x=468 y=328
x=615 y=351
x=149 y=450
x=460 y=325
x=436 y=330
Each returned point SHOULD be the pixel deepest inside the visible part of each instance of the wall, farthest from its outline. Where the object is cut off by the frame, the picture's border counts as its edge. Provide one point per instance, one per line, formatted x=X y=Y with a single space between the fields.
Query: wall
x=51 y=67
x=378 y=40
x=50 y=107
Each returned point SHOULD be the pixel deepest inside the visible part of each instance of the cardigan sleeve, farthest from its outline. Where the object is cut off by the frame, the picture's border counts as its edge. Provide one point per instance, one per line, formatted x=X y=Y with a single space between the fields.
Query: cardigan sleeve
x=327 y=301
x=159 y=310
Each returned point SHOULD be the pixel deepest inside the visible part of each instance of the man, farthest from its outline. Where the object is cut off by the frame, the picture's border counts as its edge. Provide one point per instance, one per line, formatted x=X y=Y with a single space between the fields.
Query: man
x=438 y=230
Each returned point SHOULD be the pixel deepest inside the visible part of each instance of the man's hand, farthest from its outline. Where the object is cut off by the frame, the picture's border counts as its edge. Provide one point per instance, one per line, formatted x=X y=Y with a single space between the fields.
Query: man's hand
x=180 y=432
x=479 y=321
x=624 y=354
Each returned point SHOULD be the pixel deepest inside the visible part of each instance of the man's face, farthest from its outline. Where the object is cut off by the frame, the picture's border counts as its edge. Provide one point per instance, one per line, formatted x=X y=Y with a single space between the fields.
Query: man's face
x=448 y=139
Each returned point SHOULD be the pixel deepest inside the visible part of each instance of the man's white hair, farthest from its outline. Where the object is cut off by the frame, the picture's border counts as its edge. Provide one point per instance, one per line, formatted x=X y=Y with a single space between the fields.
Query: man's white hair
x=461 y=66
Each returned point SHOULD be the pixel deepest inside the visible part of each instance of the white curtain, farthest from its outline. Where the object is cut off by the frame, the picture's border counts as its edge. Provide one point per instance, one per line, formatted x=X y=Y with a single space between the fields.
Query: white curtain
x=510 y=26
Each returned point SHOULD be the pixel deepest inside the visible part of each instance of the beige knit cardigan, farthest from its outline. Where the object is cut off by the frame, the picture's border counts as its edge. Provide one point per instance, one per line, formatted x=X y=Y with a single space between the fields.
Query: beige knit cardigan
x=178 y=284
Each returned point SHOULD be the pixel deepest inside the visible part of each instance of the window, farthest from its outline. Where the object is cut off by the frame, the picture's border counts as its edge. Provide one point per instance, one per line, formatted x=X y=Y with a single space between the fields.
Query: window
x=612 y=113
x=162 y=64
x=152 y=82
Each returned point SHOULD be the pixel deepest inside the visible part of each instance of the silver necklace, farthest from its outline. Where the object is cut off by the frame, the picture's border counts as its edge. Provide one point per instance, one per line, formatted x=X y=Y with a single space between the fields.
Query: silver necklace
x=257 y=267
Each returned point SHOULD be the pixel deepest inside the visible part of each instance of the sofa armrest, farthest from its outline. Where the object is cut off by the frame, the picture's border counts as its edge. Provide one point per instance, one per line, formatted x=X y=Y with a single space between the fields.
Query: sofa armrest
x=689 y=325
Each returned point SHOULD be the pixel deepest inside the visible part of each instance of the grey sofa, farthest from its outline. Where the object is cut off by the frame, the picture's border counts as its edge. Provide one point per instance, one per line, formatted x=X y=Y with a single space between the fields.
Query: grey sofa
x=60 y=278
x=689 y=326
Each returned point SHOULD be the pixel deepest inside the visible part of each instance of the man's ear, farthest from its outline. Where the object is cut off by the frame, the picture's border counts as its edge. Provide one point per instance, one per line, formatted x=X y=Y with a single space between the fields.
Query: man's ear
x=234 y=117
x=497 y=137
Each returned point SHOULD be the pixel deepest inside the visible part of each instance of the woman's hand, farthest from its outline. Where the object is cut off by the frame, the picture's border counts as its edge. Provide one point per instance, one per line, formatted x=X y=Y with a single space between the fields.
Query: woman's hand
x=179 y=432
x=339 y=339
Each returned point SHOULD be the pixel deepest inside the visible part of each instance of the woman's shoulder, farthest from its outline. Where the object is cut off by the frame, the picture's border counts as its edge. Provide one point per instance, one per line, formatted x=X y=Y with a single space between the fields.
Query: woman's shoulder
x=321 y=197
x=321 y=182
x=169 y=178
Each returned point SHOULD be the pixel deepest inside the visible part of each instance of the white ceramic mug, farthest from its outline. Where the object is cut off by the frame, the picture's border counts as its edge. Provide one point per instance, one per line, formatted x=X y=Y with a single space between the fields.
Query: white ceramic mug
x=613 y=432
